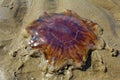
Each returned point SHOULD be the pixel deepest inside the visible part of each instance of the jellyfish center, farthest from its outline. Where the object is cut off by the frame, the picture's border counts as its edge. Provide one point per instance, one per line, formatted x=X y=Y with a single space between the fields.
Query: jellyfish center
x=64 y=29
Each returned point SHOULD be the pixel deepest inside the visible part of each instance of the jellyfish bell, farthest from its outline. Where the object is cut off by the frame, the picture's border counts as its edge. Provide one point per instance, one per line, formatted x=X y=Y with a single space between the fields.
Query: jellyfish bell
x=64 y=38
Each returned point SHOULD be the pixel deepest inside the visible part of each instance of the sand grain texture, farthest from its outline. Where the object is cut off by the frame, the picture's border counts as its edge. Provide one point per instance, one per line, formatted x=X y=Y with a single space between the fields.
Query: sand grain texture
x=17 y=62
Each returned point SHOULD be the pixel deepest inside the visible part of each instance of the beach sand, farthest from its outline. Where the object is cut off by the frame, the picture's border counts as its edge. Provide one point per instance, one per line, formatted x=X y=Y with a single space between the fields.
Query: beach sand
x=17 y=62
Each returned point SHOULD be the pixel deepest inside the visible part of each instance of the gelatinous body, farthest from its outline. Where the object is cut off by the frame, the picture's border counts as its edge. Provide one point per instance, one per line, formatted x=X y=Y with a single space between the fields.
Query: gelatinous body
x=63 y=37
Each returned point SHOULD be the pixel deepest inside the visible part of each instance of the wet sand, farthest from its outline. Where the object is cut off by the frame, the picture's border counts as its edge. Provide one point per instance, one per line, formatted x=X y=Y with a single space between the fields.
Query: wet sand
x=16 y=61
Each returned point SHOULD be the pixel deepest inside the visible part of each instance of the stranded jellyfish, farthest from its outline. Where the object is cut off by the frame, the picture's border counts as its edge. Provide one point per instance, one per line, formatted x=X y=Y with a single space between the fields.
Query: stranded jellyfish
x=63 y=37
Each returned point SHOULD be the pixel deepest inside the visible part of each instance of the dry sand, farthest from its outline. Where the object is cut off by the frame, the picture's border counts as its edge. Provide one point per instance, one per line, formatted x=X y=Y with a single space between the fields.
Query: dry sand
x=16 y=62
